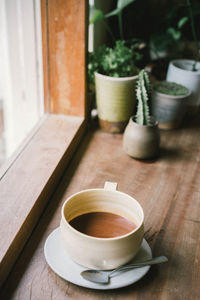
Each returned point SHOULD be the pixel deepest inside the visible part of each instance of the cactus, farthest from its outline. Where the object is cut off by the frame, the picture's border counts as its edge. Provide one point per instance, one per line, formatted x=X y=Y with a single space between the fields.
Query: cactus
x=143 y=95
x=170 y=88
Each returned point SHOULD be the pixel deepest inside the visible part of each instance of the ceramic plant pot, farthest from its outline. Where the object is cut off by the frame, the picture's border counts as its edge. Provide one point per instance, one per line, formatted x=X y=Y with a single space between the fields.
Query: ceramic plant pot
x=179 y=71
x=116 y=101
x=140 y=141
x=169 y=110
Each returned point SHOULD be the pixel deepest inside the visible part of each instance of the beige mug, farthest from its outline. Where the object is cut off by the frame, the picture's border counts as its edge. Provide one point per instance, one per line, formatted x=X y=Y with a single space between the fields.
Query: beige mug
x=101 y=253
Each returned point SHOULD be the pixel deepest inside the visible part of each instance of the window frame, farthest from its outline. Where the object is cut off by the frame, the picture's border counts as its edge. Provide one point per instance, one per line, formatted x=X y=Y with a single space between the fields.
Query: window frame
x=24 y=189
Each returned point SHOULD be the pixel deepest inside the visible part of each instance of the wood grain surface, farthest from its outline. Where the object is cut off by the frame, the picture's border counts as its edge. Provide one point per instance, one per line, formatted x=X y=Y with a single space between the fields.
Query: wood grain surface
x=30 y=179
x=64 y=43
x=168 y=190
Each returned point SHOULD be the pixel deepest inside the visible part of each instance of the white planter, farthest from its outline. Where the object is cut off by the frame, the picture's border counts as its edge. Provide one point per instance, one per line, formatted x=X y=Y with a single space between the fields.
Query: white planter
x=180 y=71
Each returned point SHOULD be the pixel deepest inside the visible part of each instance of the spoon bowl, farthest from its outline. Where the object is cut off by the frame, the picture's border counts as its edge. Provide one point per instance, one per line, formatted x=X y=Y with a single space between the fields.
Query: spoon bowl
x=103 y=277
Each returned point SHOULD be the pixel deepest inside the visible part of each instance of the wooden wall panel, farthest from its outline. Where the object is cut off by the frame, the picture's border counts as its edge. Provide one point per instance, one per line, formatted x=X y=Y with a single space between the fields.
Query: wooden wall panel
x=64 y=52
x=45 y=53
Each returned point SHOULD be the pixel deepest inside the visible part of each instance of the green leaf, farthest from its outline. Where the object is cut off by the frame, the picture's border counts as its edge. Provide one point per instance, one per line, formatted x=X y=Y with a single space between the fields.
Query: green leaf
x=121 y=4
x=182 y=22
x=115 y=12
x=176 y=34
x=95 y=15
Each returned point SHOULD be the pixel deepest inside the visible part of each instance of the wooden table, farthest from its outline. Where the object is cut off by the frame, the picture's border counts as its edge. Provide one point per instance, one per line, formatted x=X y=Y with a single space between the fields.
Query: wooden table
x=168 y=190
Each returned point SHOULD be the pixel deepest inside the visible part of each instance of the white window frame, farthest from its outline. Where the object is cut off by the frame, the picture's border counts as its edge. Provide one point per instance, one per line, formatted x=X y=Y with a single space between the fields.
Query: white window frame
x=21 y=69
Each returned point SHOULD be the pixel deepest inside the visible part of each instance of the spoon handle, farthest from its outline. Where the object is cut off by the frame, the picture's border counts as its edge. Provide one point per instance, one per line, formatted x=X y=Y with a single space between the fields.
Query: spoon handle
x=153 y=261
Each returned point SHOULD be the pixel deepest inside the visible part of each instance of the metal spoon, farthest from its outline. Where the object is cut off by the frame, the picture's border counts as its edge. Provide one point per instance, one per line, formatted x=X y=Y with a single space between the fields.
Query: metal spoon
x=103 y=277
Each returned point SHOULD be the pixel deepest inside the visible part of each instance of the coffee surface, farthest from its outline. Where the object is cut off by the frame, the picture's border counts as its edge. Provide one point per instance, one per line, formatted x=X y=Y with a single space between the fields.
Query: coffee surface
x=102 y=224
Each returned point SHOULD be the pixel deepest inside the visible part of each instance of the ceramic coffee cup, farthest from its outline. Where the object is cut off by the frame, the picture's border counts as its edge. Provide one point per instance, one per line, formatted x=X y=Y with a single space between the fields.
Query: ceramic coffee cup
x=97 y=252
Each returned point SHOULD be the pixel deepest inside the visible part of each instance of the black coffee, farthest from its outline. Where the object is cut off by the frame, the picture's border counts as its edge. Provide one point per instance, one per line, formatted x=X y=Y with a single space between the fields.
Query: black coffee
x=102 y=224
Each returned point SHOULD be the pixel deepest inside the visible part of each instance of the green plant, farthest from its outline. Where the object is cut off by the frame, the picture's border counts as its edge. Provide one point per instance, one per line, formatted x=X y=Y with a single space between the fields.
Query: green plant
x=143 y=95
x=194 y=34
x=162 y=42
x=170 y=88
x=119 y=61
x=98 y=15
x=173 y=30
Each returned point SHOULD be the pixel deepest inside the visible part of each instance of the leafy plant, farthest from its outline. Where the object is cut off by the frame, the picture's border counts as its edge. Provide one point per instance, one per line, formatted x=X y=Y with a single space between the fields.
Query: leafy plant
x=173 y=29
x=143 y=95
x=191 y=16
x=97 y=15
x=119 y=61
x=169 y=38
x=170 y=88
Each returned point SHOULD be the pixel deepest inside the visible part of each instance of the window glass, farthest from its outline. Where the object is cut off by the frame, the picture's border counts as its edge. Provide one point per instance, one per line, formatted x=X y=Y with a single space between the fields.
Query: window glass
x=21 y=84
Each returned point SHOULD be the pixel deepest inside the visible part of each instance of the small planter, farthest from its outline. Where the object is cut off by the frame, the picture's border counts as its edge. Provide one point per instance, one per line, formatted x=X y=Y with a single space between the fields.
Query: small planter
x=140 y=141
x=180 y=71
x=169 y=110
x=116 y=101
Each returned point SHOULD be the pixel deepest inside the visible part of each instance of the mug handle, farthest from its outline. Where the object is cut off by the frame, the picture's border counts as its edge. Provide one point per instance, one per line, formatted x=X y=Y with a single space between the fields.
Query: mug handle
x=110 y=186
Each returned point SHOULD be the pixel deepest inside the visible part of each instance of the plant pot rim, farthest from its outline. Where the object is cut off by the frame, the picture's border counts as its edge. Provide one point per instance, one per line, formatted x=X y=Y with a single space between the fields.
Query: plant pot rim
x=154 y=122
x=175 y=63
x=111 y=78
x=172 y=97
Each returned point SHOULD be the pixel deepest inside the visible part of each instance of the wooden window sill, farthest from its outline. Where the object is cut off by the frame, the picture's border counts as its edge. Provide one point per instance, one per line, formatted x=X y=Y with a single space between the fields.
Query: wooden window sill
x=30 y=179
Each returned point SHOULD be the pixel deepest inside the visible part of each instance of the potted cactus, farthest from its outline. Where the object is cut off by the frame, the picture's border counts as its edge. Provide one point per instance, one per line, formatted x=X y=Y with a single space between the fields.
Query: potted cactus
x=141 y=137
x=169 y=104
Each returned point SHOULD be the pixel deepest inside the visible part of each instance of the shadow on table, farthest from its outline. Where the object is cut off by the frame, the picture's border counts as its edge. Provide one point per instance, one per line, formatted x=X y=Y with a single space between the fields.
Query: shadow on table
x=169 y=153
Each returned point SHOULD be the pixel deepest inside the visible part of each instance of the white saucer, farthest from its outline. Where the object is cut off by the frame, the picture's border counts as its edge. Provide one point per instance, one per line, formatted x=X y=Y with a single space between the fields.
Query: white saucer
x=65 y=267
